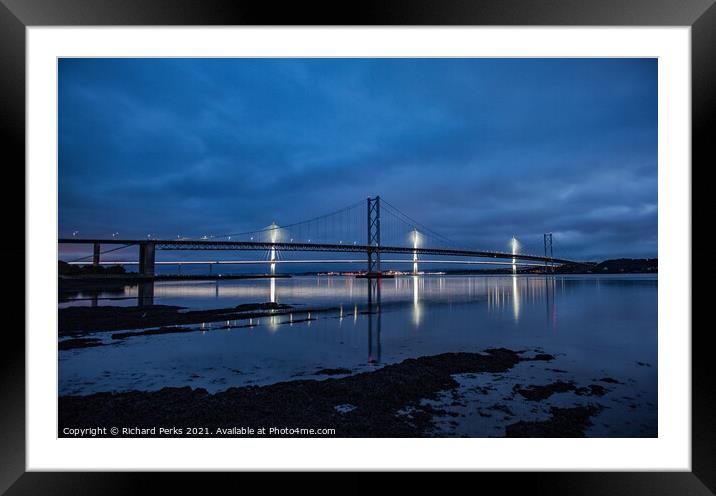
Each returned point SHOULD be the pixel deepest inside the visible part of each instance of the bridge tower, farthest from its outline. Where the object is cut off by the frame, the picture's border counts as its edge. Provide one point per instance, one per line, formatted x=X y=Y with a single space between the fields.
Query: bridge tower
x=373 y=237
x=548 y=251
x=514 y=252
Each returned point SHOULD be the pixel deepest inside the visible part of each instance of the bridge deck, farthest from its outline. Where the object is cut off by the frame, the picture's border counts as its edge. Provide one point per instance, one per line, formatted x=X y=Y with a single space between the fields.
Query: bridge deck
x=197 y=245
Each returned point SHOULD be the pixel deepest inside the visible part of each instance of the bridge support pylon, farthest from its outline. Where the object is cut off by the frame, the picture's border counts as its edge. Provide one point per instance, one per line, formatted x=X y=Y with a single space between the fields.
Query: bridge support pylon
x=147 y=252
x=95 y=254
x=373 y=237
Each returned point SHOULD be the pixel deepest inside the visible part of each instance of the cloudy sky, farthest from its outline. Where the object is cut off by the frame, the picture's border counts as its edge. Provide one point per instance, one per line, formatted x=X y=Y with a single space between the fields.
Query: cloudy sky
x=477 y=149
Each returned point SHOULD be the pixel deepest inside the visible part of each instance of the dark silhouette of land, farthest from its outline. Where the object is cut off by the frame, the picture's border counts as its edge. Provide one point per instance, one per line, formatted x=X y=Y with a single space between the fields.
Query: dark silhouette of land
x=78 y=321
x=614 y=266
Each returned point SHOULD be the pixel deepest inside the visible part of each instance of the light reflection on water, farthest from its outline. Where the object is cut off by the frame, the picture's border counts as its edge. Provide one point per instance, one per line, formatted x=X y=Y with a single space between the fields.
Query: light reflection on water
x=601 y=324
x=326 y=290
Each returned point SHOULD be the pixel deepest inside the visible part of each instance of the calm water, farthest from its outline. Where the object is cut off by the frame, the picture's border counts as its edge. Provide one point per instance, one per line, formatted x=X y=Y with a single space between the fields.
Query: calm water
x=597 y=326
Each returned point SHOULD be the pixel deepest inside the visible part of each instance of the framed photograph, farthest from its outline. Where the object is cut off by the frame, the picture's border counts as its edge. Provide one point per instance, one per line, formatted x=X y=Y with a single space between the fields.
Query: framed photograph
x=415 y=238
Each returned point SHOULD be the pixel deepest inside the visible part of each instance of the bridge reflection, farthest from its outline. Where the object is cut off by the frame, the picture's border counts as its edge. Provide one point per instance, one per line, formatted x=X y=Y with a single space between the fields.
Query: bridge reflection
x=145 y=293
x=509 y=295
x=416 y=300
x=374 y=321
x=521 y=291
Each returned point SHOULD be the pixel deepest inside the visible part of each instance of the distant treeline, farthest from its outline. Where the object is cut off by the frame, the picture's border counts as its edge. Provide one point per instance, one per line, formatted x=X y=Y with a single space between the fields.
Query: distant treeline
x=615 y=266
x=65 y=269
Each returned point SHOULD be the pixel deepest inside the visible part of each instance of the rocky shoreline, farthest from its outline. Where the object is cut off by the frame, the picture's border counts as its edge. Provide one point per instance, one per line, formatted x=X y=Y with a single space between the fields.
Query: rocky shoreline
x=387 y=402
x=80 y=321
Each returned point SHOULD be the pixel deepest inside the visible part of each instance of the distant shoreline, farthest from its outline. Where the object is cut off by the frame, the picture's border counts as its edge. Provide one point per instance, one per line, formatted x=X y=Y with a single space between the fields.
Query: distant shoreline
x=115 y=275
x=89 y=282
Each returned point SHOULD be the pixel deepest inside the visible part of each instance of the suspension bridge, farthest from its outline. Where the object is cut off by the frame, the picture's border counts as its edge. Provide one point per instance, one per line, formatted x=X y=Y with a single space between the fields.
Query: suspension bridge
x=373 y=227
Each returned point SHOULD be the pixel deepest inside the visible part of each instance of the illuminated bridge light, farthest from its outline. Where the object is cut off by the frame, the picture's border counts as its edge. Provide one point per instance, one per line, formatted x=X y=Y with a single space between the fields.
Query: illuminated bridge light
x=514 y=252
x=415 y=251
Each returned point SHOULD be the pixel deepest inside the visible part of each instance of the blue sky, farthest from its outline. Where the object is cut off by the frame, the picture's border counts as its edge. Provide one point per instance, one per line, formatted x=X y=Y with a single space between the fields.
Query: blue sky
x=477 y=149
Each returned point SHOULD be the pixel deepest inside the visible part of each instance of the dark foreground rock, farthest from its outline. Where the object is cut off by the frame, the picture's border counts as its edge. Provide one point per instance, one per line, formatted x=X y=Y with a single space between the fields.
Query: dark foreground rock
x=542 y=392
x=71 y=344
x=76 y=321
x=564 y=422
x=379 y=401
x=539 y=393
x=338 y=371
x=152 y=332
x=269 y=305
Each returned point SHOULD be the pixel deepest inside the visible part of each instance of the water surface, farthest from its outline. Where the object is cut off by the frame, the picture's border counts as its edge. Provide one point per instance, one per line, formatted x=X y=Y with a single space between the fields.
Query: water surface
x=598 y=326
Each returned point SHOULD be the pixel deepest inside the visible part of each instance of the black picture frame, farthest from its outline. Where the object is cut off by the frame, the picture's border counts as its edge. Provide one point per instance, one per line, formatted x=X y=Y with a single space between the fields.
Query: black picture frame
x=16 y=15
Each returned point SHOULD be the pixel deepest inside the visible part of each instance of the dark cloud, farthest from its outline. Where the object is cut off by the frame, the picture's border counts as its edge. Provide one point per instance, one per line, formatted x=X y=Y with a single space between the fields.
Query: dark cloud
x=478 y=149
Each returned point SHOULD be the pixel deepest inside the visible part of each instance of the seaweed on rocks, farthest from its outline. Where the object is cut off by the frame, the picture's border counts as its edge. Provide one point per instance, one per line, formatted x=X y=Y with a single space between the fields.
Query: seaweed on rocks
x=378 y=396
